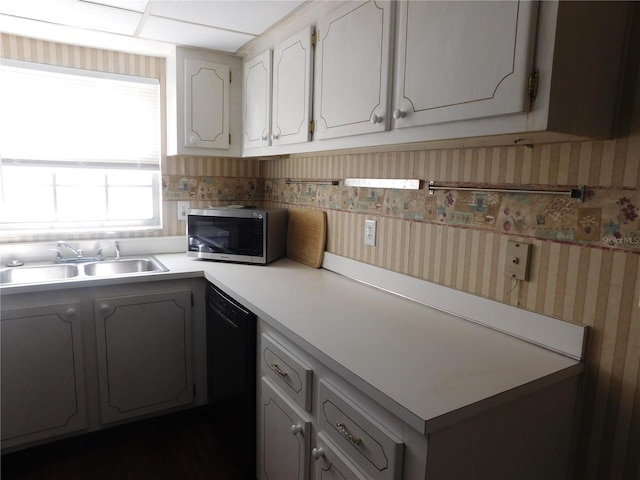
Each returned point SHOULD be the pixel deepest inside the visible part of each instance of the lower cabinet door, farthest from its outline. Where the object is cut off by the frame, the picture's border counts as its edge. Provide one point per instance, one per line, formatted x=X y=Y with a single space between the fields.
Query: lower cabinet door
x=43 y=390
x=331 y=464
x=144 y=353
x=285 y=437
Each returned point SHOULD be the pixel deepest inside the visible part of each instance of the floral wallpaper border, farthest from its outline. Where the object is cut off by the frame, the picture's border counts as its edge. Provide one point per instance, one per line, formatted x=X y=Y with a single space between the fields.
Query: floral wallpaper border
x=608 y=217
x=214 y=189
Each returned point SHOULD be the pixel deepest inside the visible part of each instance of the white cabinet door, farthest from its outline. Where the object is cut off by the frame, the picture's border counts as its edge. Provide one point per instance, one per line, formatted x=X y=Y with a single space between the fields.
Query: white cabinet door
x=292 y=77
x=43 y=386
x=206 y=104
x=331 y=463
x=462 y=60
x=351 y=94
x=144 y=353
x=285 y=440
x=257 y=101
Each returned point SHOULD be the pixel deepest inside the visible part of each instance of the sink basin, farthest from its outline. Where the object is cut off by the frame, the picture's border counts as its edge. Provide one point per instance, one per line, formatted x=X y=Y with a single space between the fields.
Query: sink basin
x=37 y=274
x=77 y=271
x=123 y=266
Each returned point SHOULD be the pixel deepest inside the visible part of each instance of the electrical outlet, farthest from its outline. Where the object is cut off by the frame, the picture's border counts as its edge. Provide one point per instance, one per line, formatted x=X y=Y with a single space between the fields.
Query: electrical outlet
x=182 y=210
x=370 y=232
x=518 y=259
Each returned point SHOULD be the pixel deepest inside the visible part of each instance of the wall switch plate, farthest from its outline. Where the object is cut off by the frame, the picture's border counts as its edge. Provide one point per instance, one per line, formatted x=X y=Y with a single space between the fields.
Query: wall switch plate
x=182 y=210
x=518 y=259
x=370 y=232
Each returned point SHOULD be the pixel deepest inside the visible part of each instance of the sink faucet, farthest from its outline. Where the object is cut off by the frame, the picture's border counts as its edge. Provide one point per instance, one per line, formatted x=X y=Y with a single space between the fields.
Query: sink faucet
x=77 y=253
x=117 y=248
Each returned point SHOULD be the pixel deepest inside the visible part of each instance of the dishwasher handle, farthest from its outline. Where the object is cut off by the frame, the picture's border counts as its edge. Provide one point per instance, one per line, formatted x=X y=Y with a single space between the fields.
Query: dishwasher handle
x=223 y=316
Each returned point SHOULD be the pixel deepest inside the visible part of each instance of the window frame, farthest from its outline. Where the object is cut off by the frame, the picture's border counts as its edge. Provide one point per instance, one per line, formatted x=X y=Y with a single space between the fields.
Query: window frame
x=150 y=164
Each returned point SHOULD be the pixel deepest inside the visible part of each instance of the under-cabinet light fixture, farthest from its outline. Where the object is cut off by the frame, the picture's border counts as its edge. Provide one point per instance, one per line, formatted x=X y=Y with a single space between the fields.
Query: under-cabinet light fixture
x=398 y=183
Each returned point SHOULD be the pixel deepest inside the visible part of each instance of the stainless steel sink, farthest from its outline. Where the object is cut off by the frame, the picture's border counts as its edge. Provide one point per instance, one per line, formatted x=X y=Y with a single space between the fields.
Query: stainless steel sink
x=101 y=269
x=123 y=266
x=37 y=274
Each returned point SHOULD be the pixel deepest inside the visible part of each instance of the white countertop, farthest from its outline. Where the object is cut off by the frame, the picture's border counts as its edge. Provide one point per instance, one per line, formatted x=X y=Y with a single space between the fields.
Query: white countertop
x=426 y=366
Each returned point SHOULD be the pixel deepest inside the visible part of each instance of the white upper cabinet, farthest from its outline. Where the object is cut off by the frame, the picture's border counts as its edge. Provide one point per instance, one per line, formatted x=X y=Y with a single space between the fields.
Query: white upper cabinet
x=206 y=100
x=279 y=114
x=202 y=104
x=257 y=101
x=352 y=69
x=292 y=85
x=489 y=72
x=462 y=60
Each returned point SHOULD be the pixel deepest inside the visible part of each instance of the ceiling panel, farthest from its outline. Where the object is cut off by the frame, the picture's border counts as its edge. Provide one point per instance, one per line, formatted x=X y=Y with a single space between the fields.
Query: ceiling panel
x=182 y=33
x=248 y=16
x=76 y=14
x=135 y=5
x=223 y=25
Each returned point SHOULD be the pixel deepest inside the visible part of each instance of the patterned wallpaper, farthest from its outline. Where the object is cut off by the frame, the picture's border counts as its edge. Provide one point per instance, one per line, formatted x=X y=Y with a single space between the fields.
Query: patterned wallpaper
x=585 y=260
x=205 y=182
x=459 y=239
x=608 y=217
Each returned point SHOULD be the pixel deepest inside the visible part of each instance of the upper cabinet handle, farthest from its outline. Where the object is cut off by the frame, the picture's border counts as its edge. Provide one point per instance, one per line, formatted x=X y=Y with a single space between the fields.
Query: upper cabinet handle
x=275 y=136
x=264 y=136
x=398 y=114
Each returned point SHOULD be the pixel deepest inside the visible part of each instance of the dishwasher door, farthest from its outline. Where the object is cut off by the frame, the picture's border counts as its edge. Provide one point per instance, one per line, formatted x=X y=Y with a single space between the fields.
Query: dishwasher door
x=231 y=348
x=231 y=377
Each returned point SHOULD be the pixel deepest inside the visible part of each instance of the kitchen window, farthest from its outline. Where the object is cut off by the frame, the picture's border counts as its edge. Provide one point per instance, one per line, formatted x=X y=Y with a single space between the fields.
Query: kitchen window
x=79 y=149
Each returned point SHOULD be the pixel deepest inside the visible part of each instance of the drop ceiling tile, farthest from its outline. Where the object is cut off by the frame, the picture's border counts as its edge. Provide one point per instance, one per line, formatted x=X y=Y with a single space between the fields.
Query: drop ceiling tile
x=248 y=16
x=73 y=13
x=182 y=33
x=135 y=5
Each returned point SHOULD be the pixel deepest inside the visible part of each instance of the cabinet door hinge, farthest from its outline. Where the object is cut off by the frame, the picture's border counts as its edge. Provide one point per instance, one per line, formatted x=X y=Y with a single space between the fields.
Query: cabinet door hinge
x=194 y=389
x=312 y=126
x=193 y=302
x=314 y=38
x=532 y=89
x=229 y=139
x=229 y=76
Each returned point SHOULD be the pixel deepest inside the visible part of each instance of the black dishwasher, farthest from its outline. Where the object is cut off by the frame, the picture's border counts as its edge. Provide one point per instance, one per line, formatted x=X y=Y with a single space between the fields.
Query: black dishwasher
x=231 y=378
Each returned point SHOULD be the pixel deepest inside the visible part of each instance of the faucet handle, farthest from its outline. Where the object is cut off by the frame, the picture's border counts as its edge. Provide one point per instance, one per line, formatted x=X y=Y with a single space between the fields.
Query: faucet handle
x=99 y=254
x=58 y=254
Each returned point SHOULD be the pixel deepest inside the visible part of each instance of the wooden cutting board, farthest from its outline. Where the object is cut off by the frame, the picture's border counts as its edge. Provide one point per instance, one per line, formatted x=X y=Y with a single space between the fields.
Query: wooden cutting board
x=306 y=236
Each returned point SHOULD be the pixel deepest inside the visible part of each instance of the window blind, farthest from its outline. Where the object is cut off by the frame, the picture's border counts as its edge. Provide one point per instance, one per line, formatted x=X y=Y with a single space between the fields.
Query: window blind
x=72 y=117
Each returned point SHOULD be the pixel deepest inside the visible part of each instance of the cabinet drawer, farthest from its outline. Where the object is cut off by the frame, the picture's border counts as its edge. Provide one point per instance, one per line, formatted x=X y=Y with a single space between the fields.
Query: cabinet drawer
x=331 y=464
x=373 y=448
x=290 y=373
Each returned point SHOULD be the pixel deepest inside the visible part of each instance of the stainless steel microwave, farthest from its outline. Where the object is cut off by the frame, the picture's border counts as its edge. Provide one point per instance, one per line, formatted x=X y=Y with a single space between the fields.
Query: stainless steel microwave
x=243 y=235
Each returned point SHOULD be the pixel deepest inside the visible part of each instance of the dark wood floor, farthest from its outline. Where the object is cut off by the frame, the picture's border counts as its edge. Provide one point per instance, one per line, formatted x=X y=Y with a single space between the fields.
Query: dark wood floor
x=179 y=446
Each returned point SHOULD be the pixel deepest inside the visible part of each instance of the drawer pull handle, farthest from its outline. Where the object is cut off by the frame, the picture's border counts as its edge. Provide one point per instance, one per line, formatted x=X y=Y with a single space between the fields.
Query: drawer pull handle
x=276 y=368
x=346 y=434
